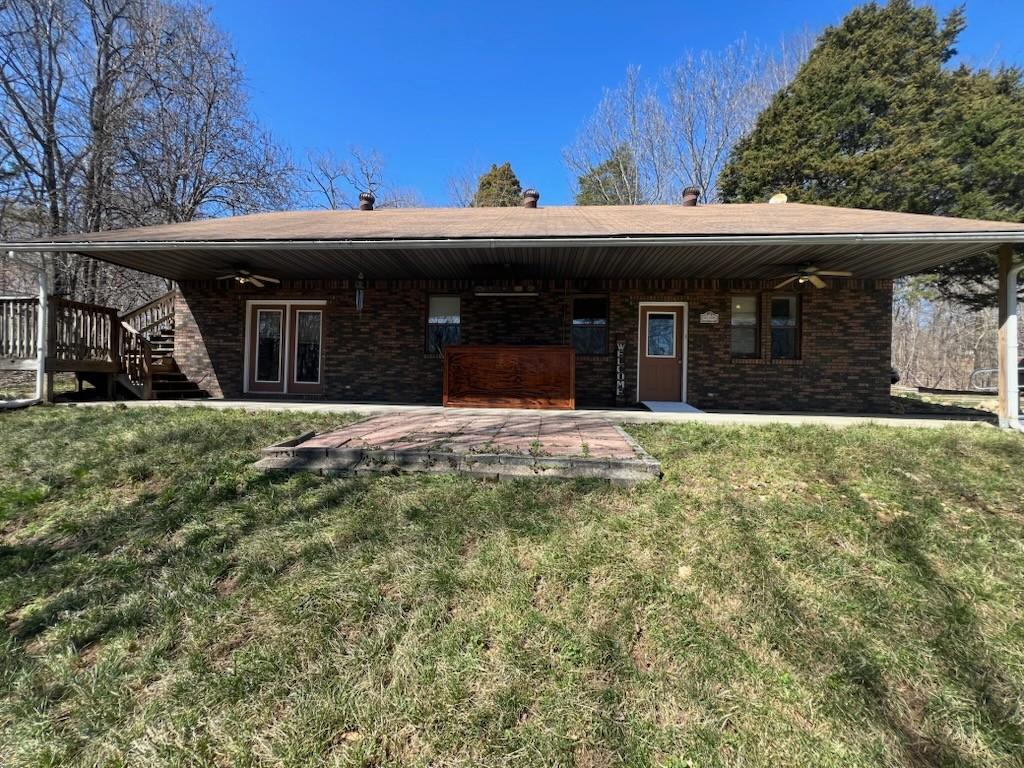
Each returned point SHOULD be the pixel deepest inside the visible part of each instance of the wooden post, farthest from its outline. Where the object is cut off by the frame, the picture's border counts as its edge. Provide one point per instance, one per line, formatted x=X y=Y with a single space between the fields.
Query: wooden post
x=1009 y=391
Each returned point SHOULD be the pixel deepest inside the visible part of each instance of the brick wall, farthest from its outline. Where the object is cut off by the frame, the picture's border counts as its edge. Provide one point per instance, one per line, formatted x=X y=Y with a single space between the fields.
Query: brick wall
x=379 y=354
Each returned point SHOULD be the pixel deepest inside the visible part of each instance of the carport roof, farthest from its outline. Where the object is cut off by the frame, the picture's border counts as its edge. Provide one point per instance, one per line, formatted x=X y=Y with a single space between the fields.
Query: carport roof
x=731 y=240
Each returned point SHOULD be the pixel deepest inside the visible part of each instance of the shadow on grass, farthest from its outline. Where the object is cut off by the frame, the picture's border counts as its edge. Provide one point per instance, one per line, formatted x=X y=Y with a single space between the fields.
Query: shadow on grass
x=80 y=567
x=813 y=646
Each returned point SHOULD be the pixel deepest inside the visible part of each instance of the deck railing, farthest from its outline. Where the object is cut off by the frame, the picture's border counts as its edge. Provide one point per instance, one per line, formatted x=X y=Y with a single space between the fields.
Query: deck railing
x=82 y=338
x=82 y=333
x=19 y=328
x=154 y=317
x=135 y=355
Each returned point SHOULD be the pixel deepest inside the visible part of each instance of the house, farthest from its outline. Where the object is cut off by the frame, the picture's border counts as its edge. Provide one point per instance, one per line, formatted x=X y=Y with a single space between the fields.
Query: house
x=737 y=306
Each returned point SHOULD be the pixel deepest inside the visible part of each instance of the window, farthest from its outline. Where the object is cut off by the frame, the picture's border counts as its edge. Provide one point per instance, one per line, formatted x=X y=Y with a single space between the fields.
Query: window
x=268 y=345
x=307 y=346
x=744 y=326
x=785 y=327
x=443 y=322
x=661 y=334
x=590 y=326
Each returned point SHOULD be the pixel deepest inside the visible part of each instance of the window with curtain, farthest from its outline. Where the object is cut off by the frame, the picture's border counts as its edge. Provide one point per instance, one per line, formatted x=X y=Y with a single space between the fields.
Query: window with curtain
x=785 y=327
x=744 y=326
x=590 y=326
x=444 y=320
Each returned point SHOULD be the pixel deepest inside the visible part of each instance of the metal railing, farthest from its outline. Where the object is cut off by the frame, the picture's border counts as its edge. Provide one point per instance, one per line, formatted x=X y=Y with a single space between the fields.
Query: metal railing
x=987 y=380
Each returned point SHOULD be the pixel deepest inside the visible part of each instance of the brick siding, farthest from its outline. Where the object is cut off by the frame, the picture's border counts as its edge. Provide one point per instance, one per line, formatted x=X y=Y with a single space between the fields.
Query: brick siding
x=379 y=354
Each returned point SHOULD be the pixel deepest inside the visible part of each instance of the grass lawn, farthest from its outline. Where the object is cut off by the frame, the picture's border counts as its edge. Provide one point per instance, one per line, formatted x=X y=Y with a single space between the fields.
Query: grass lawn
x=785 y=596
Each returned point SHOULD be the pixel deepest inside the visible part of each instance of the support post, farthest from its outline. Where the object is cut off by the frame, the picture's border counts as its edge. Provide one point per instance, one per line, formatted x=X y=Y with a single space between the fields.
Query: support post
x=1009 y=385
x=44 y=381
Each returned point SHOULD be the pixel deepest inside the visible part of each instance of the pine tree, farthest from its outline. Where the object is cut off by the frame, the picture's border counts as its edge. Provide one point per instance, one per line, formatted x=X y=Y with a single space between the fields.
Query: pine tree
x=875 y=119
x=498 y=188
x=613 y=182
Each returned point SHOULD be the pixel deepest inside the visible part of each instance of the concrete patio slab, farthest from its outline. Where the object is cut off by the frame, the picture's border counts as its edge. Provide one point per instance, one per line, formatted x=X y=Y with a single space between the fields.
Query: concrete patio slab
x=517 y=444
x=614 y=416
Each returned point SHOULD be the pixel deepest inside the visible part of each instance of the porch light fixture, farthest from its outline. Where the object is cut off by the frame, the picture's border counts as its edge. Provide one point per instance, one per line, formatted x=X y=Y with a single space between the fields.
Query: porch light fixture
x=360 y=293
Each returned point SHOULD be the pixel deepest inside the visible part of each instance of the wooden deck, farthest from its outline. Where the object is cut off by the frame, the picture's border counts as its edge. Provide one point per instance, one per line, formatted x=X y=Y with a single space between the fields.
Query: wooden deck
x=86 y=339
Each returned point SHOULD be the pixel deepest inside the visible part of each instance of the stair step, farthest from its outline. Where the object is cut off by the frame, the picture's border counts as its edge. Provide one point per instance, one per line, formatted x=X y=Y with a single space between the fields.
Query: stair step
x=167 y=376
x=175 y=386
x=180 y=394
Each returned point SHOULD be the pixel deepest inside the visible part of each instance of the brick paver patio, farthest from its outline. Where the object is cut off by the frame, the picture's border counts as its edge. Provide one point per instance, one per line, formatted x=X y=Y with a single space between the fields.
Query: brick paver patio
x=481 y=443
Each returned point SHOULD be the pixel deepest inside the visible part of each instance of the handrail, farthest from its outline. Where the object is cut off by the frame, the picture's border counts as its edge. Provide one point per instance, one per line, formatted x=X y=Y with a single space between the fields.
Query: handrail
x=135 y=354
x=153 y=316
x=979 y=375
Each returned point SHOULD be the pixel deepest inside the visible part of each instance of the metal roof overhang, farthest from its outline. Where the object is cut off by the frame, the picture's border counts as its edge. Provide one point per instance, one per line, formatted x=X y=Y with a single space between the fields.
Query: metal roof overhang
x=693 y=256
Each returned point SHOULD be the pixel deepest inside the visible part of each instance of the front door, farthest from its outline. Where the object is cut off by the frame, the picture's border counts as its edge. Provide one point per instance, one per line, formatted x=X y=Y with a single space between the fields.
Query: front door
x=285 y=348
x=662 y=349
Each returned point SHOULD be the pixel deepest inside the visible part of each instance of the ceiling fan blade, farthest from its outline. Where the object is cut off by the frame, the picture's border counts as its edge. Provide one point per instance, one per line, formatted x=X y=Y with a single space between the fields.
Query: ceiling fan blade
x=252 y=279
x=787 y=281
x=265 y=278
x=834 y=273
x=228 y=277
x=816 y=281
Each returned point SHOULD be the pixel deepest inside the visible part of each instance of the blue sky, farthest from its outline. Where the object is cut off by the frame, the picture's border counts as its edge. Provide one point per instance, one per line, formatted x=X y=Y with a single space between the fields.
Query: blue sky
x=442 y=86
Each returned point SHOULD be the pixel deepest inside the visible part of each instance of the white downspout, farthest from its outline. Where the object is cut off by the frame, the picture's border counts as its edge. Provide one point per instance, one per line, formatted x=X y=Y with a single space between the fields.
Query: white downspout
x=1010 y=360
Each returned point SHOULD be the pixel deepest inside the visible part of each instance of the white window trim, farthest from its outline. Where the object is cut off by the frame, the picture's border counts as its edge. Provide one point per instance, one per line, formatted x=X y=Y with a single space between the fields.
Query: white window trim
x=283 y=343
x=641 y=344
x=286 y=305
x=647 y=340
x=295 y=352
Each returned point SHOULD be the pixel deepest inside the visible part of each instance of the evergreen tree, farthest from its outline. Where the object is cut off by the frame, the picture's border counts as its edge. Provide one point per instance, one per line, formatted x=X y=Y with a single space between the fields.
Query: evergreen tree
x=875 y=119
x=613 y=182
x=498 y=188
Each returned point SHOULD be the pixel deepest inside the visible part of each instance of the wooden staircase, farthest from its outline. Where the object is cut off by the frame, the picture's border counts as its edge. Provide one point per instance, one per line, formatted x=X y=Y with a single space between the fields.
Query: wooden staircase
x=168 y=382
x=131 y=354
x=155 y=322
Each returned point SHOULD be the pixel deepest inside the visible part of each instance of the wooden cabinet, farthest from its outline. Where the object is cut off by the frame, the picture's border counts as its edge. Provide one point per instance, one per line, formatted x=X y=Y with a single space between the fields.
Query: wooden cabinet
x=510 y=377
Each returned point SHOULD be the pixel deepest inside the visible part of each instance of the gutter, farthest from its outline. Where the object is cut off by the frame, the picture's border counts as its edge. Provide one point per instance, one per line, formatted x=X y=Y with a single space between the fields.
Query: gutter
x=97 y=246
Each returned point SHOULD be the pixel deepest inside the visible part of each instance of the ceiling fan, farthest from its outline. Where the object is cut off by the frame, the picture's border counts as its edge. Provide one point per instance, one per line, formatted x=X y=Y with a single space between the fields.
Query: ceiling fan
x=244 y=276
x=805 y=273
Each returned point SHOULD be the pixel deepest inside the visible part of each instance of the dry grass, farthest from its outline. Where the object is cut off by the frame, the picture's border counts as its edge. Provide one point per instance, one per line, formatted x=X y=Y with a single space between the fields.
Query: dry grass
x=786 y=596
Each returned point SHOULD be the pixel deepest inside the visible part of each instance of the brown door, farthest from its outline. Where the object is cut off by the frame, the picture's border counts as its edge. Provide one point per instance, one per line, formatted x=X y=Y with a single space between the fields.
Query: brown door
x=267 y=337
x=662 y=345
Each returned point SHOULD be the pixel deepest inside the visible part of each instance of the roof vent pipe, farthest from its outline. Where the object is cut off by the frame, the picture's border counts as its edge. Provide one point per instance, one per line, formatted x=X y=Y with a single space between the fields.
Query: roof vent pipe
x=366 y=201
x=530 y=198
x=690 y=196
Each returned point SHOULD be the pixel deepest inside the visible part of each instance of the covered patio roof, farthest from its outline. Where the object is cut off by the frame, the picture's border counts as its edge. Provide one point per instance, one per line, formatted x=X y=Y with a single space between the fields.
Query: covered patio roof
x=661 y=241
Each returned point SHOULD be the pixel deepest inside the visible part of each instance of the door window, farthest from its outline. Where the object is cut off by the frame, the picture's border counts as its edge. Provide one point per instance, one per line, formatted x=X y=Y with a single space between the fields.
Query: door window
x=661 y=334
x=307 y=346
x=268 y=345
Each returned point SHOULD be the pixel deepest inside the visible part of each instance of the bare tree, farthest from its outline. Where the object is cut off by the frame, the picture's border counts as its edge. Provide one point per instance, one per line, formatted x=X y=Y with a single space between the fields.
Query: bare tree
x=626 y=141
x=335 y=183
x=936 y=342
x=644 y=144
x=194 y=150
x=714 y=98
x=123 y=112
x=462 y=185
